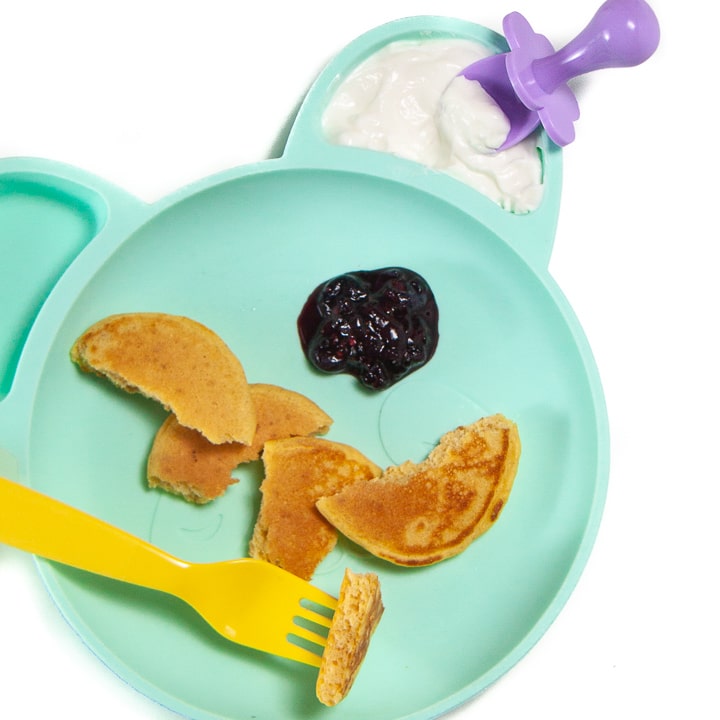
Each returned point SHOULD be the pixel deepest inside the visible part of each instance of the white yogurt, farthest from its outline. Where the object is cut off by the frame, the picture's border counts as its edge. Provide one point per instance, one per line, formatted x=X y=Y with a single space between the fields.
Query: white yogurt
x=408 y=100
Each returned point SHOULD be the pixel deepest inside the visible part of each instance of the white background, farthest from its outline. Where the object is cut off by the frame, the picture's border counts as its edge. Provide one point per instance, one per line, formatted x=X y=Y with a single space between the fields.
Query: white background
x=153 y=95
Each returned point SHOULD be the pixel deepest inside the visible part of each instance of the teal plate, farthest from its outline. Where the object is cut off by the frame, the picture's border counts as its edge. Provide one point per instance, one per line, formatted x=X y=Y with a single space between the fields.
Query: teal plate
x=240 y=251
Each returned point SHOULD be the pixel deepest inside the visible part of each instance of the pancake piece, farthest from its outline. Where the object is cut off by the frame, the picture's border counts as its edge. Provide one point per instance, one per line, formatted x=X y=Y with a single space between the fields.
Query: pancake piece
x=184 y=462
x=282 y=413
x=178 y=362
x=289 y=531
x=421 y=513
x=357 y=615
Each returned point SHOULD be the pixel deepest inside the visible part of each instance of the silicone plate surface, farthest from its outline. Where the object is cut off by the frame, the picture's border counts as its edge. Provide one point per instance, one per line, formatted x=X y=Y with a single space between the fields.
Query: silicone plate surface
x=240 y=252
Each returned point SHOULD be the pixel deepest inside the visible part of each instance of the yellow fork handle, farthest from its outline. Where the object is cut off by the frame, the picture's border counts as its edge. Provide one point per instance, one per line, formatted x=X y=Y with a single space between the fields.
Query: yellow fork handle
x=44 y=526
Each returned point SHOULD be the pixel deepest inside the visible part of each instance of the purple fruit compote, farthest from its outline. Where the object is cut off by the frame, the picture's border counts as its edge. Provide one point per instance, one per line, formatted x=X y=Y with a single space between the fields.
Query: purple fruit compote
x=377 y=325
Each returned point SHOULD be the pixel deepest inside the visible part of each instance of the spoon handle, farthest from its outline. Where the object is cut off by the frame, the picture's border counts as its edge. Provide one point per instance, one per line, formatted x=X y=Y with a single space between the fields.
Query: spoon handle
x=622 y=33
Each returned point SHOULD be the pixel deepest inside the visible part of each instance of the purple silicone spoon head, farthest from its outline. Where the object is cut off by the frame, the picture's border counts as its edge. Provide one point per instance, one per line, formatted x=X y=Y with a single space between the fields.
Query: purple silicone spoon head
x=491 y=73
x=529 y=83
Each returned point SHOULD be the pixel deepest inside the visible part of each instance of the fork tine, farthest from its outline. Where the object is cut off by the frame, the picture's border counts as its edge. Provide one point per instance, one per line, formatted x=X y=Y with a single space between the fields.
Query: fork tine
x=318 y=619
x=301 y=654
x=315 y=616
x=312 y=609
x=316 y=596
x=310 y=622
x=306 y=633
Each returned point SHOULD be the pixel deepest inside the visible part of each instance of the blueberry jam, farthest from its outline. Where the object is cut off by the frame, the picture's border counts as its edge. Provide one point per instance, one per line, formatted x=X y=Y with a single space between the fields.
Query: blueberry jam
x=378 y=325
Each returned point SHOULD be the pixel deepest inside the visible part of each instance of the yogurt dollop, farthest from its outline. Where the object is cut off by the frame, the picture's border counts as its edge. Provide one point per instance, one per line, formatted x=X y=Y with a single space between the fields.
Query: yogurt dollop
x=407 y=100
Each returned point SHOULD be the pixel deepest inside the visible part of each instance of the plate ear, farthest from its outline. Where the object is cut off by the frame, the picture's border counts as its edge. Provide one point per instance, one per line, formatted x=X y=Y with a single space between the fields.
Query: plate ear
x=49 y=212
x=45 y=224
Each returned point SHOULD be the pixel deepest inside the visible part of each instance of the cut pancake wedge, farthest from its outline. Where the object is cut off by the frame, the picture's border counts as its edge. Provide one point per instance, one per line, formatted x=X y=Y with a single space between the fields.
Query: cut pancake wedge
x=289 y=531
x=178 y=362
x=421 y=513
x=358 y=613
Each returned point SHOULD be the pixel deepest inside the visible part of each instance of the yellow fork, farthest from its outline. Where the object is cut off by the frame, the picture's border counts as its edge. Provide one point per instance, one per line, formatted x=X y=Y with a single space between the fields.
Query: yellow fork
x=249 y=601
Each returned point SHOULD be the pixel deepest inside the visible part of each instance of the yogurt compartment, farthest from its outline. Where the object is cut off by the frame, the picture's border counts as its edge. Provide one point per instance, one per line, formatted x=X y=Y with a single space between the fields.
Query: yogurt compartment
x=406 y=99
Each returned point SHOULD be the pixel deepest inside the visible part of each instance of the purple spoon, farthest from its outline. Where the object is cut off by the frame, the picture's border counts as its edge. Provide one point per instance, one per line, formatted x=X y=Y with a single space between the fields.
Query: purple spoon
x=529 y=83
